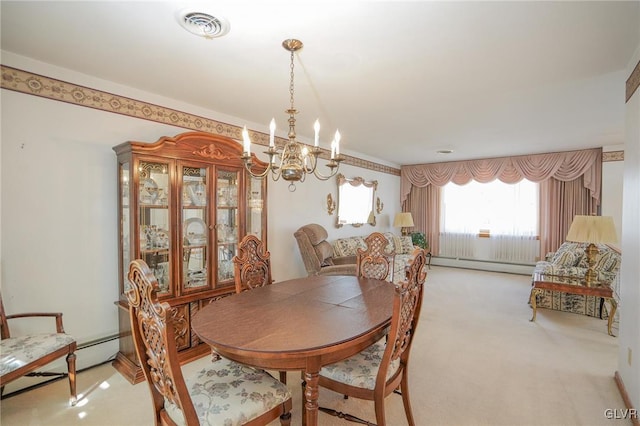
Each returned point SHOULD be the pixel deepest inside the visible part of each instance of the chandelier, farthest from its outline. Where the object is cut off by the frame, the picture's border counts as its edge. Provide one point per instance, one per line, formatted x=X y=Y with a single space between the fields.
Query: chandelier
x=297 y=160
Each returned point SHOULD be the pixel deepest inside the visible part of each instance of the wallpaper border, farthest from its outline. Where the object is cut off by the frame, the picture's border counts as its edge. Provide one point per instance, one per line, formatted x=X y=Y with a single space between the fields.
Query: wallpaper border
x=46 y=87
x=612 y=156
x=632 y=82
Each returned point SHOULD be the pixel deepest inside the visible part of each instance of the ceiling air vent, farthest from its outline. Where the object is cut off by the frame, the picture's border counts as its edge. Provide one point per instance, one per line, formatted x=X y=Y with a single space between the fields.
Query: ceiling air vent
x=203 y=24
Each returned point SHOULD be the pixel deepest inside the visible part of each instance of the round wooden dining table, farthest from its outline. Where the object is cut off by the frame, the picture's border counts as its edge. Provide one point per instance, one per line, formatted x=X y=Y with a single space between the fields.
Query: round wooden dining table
x=300 y=324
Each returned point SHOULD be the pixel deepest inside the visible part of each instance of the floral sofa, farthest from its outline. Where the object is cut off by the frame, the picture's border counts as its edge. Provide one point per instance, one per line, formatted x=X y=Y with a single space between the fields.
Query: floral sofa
x=345 y=249
x=570 y=260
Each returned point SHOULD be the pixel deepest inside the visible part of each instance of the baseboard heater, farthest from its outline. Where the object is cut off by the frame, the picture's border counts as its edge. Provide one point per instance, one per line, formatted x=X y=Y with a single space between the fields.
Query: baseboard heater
x=98 y=341
x=484 y=265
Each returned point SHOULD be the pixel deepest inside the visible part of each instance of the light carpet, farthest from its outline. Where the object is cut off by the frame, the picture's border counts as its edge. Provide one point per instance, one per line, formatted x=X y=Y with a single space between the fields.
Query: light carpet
x=476 y=360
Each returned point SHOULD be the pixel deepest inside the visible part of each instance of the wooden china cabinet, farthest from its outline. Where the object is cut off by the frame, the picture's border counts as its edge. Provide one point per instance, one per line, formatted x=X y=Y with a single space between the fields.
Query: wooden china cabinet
x=184 y=203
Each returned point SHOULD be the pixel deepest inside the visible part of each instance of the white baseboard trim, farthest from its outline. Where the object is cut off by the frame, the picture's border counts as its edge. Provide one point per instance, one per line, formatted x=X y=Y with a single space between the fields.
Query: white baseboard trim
x=483 y=265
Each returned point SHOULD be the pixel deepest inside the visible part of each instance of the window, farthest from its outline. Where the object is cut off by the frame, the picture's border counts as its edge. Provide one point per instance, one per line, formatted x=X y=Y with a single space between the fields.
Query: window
x=500 y=208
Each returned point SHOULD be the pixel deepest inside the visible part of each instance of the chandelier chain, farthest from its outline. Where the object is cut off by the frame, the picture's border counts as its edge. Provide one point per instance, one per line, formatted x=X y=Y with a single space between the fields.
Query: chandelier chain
x=291 y=87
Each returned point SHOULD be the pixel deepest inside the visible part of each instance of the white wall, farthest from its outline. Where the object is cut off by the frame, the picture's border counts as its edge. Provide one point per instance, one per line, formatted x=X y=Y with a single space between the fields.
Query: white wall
x=612 y=183
x=58 y=206
x=629 y=337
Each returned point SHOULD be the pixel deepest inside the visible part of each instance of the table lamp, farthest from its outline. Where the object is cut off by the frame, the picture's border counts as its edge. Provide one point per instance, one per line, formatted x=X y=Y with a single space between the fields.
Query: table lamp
x=593 y=230
x=403 y=220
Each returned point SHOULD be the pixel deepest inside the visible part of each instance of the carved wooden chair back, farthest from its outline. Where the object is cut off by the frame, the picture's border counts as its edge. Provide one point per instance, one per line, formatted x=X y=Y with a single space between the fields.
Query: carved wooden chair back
x=4 y=324
x=374 y=261
x=154 y=336
x=23 y=354
x=378 y=370
x=407 y=305
x=155 y=343
x=406 y=314
x=252 y=264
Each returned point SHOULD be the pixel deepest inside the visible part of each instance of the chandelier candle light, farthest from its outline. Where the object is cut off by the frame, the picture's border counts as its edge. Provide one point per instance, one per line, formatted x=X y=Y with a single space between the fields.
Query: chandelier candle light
x=296 y=159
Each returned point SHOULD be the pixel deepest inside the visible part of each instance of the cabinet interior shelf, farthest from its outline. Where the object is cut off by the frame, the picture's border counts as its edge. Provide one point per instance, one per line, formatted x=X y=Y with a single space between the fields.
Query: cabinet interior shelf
x=155 y=251
x=194 y=246
x=154 y=206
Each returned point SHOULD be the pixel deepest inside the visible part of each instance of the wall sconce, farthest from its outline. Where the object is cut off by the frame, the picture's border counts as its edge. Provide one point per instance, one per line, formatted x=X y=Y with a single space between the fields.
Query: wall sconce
x=331 y=204
x=379 y=205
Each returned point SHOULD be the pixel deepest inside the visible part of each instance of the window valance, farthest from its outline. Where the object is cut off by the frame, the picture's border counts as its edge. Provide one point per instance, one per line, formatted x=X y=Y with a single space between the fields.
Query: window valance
x=564 y=166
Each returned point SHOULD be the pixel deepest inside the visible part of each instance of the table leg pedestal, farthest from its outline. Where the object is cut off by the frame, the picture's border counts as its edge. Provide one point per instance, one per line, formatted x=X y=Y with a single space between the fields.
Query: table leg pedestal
x=310 y=400
x=532 y=299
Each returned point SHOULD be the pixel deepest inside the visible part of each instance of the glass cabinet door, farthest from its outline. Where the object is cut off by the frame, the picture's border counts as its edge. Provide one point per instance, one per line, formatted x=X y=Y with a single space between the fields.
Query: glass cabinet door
x=255 y=205
x=154 y=221
x=195 y=228
x=227 y=231
x=125 y=225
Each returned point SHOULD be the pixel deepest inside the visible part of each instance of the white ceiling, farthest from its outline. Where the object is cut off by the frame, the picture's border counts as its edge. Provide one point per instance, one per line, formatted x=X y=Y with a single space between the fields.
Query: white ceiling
x=400 y=80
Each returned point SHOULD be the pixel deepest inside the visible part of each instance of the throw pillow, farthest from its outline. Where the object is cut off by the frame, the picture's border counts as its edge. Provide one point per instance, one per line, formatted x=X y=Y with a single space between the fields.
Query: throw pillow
x=606 y=261
x=348 y=246
x=397 y=244
x=581 y=258
x=564 y=258
x=391 y=246
x=407 y=244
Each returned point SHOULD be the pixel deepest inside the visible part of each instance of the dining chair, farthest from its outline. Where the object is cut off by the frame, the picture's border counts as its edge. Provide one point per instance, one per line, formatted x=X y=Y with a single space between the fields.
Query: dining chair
x=252 y=267
x=21 y=355
x=380 y=369
x=224 y=392
x=375 y=261
x=252 y=264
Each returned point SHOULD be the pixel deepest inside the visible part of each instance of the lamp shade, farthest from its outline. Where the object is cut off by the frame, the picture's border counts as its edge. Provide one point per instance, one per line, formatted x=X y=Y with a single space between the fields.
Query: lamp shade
x=403 y=220
x=592 y=229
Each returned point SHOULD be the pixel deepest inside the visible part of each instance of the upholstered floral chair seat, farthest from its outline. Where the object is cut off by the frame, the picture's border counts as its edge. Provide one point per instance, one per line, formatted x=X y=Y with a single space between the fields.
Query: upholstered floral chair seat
x=360 y=370
x=220 y=398
x=16 y=352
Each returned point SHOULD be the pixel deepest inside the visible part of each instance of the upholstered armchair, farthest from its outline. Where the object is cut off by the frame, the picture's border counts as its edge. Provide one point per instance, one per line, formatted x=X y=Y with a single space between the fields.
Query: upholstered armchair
x=317 y=253
x=22 y=355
